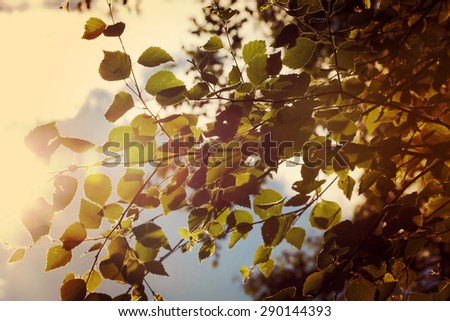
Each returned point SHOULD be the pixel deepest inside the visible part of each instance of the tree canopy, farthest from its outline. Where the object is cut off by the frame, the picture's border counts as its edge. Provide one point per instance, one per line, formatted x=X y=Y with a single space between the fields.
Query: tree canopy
x=336 y=86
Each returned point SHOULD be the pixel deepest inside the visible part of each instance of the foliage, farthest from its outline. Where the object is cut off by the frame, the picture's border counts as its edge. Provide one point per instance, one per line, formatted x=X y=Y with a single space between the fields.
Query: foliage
x=375 y=74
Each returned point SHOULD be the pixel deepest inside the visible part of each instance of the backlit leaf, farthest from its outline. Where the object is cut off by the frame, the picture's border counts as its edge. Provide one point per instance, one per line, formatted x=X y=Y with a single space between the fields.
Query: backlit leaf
x=95 y=279
x=90 y=214
x=262 y=254
x=295 y=236
x=154 y=56
x=65 y=189
x=98 y=188
x=73 y=236
x=122 y=103
x=267 y=267
x=325 y=215
x=151 y=235
x=40 y=138
x=206 y=250
x=112 y=211
x=214 y=44
x=173 y=198
x=38 y=218
x=196 y=218
x=17 y=255
x=256 y=70
x=93 y=28
x=144 y=125
x=57 y=257
x=130 y=184
x=161 y=80
x=116 y=65
x=77 y=145
x=199 y=90
x=299 y=55
x=253 y=49
x=145 y=254
x=267 y=203
x=346 y=185
x=367 y=180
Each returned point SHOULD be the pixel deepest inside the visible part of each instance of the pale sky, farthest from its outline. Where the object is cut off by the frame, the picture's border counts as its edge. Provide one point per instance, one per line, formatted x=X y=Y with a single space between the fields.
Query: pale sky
x=49 y=73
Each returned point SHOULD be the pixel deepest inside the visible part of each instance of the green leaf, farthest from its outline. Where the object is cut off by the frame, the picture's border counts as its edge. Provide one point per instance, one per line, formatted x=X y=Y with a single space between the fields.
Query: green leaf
x=57 y=257
x=262 y=254
x=214 y=44
x=252 y=49
x=171 y=96
x=73 y=236
x=367 y=180
x=200 y=90
x=93 y=28
x=116 y=65
x=295 y=236
x=90 y=214
x=73 y=290
x=299 y=55
x=77 y=145
x=256 y=71
x=130 y=184
x=162 y=80
x=267 y=267
x=325 y=215
x=360 y=289
x=38 y=219
x=314 y=283
x=122 y=103
x=94 y=280
x=98 y=188
x=17 y=255
x=155 y=267
x=346 y=185
x=206 y=250
x=268 y=203
x=65 y=189
x=234 y=76
x=114 y=30
x=151 y=235
x=154 y=56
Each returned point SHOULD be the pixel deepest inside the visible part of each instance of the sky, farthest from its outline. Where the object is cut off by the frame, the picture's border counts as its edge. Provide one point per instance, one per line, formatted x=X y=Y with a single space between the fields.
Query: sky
x=50 y=74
